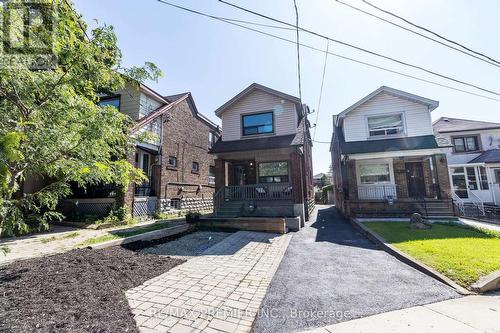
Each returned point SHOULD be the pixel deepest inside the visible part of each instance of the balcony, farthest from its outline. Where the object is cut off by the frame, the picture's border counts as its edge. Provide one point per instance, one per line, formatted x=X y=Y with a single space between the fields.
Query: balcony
x=377 y=192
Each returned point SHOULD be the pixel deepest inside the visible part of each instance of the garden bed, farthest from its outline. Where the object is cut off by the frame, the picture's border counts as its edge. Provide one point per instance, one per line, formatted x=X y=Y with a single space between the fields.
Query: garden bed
x=77 y=291
x=461 y=253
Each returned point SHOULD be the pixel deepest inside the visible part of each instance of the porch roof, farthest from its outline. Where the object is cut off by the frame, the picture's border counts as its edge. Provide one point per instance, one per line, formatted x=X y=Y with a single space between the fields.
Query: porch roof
x=386 y=145
x=272 y=142
x=489 y=156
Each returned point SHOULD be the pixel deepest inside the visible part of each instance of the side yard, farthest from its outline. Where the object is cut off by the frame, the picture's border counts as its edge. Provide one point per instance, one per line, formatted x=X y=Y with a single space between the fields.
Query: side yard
x=461 y=253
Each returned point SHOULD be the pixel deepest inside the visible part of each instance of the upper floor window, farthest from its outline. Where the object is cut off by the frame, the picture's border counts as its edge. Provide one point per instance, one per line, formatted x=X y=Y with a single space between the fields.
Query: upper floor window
x=195 y=167
x=112 y=100
x=385 y=125
x=466 y=144
x=211 y=139
x=172 y=161
x=258 y=123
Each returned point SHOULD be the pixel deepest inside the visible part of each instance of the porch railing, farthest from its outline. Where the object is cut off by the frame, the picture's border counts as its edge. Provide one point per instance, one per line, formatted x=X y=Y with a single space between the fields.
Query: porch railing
x=477 y=202
x=252 y=193
x=460 y=204
x=377 y=192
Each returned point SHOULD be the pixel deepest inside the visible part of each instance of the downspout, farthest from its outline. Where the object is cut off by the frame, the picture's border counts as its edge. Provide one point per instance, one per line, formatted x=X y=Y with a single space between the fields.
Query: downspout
x=433 y=174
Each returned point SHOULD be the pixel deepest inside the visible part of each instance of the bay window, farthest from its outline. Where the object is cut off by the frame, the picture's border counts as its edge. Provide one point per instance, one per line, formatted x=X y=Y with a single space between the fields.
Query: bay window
x=385 y=125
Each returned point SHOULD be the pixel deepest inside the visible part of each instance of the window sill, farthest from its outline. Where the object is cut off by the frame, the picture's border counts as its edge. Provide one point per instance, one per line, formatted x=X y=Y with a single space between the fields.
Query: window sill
x=394 y=136
x=195 y=172
x=172 y=168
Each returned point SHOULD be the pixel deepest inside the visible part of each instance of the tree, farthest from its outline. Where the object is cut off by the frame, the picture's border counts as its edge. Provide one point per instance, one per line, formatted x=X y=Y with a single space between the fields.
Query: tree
x=51 y=125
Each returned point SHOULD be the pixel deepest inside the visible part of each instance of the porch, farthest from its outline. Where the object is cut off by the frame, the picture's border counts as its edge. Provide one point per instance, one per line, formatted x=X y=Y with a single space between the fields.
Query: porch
x=264 y=183
x=398 y=186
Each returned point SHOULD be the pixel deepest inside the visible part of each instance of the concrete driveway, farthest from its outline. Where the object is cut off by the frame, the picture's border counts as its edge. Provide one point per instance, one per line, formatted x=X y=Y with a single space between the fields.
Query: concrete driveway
x=331 y=273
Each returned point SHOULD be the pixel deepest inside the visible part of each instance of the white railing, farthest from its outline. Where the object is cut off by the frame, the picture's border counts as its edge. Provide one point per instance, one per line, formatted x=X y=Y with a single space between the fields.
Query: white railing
x=477 y=202
x=377 y=192
x=460 y=203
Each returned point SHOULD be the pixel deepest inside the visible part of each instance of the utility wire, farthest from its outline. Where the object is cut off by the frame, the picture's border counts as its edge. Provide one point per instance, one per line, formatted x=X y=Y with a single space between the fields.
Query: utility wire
x=333 y=54
x=321 y=89
x=363 y=49
x=431 y=32
x=419 y=34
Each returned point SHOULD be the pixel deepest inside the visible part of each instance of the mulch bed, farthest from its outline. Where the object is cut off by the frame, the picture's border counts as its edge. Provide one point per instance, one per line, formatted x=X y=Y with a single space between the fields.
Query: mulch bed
x=77 y=291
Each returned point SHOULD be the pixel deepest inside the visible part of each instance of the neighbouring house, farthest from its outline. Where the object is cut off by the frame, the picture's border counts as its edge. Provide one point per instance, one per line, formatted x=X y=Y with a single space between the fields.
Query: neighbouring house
x=474 y=161
x=263 y=159
x=386 y=160
x=174 y=156
x=321 y=180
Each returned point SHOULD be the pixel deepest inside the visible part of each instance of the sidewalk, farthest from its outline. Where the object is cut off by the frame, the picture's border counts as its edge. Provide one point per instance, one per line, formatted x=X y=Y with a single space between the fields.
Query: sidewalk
x=479 y=224
x=467 y=314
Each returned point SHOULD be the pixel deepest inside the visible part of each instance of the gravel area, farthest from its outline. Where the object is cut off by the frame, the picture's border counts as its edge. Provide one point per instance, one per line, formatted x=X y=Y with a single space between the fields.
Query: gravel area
x=77 y=291
x=188 y=246
x=332 y=273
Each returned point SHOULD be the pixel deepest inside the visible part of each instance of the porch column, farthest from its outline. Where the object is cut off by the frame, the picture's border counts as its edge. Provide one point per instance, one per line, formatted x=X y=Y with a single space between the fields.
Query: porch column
x=221 y=174
x=296 y=174
x=442 y=175
x=352 y=180
x=125 y=198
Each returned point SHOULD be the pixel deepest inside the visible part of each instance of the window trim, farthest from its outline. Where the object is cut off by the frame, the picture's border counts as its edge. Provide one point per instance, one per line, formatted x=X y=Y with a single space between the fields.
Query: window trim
x=402 y=133
x=389 y=162
x=210 y=175
x=273 y=182
x=242 y=128
x=464 y=138
x=171 y=166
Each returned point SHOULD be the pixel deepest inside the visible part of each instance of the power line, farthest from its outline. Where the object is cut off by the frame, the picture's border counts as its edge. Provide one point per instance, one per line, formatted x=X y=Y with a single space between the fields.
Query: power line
x=419 y=34
x=363 y=49
x=321 y=89
x=334 y=54
x=431 y=32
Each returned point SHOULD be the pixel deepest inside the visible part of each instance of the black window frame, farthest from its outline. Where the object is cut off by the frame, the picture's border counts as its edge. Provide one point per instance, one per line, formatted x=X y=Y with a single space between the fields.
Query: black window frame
x=243 y=116
x=272 y=179
x=109 y=98
x=466 y=148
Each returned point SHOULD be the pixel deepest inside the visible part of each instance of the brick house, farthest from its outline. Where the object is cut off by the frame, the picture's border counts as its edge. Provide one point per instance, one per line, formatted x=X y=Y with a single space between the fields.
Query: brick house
x=181 y=173
x=474 y=163
x=386 y=160
x=263 y=159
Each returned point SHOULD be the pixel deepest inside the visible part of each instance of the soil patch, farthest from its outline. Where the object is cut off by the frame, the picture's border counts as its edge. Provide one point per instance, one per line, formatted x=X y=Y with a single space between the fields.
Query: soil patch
x=77 y=291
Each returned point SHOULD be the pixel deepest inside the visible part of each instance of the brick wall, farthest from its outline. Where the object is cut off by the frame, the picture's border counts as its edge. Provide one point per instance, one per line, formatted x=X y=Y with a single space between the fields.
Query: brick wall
x=185 y=137
x=400 y=177
x=443 y=178
x=352 y=180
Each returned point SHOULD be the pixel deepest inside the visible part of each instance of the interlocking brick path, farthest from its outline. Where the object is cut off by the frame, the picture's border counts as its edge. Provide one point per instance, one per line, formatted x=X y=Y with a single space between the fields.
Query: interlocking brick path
x=219 y=291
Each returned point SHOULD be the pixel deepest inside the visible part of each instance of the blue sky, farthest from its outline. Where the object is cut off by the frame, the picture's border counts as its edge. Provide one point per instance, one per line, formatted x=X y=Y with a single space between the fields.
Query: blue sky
x=215 y=60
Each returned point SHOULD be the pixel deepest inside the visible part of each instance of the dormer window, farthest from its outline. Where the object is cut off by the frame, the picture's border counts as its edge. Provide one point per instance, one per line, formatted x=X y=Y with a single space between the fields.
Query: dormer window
x=257 y=123
x=385 y=125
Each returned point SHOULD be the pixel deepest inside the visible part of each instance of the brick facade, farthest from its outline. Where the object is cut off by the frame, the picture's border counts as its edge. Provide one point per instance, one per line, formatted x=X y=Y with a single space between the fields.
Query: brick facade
x=185 y=137
x=400 y=177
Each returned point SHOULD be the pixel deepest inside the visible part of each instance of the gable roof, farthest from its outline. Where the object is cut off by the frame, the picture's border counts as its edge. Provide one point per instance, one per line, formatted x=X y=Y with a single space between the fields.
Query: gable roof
x=489 y=156
x=391 y=91
x=447 y=125
x=256 y=86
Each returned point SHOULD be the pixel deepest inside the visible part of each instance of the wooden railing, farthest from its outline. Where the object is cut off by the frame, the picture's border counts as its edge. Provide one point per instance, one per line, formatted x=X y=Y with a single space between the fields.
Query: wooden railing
x=252 y=193
x=377 y=192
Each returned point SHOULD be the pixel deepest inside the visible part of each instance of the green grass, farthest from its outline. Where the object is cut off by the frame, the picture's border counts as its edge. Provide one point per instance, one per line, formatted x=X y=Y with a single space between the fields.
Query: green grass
x=125 y=233
x=461 y=253
x=54 y=238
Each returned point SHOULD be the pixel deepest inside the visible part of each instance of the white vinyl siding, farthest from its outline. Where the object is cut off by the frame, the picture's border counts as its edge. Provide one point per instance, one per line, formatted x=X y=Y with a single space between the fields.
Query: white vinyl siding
x=416 y=116
x=147 y=105
x=285 y=115
x=489 y=139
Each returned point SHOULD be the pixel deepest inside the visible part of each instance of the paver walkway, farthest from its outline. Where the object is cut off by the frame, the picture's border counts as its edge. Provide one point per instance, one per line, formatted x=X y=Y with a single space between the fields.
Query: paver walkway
x=332 y=273
x=220 y=291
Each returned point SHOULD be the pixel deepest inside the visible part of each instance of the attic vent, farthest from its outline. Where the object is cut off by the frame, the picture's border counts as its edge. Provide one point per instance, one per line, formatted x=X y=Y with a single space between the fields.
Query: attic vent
x=446 y=119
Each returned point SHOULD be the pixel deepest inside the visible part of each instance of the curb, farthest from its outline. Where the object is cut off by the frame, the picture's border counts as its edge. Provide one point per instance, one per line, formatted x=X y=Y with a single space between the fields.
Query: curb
x=147 y=236
x=420 y=266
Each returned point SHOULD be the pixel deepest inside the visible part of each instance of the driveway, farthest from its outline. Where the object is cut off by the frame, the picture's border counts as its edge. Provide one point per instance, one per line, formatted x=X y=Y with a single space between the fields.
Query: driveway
x=331 y=273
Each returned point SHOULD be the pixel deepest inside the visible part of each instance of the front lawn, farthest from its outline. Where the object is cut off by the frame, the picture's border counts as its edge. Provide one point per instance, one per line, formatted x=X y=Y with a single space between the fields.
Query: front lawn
x=461 y=253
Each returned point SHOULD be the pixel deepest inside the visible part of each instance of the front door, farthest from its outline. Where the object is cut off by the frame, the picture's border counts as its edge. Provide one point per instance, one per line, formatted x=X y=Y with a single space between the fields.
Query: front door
x=415 y=179
x=239 y=174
